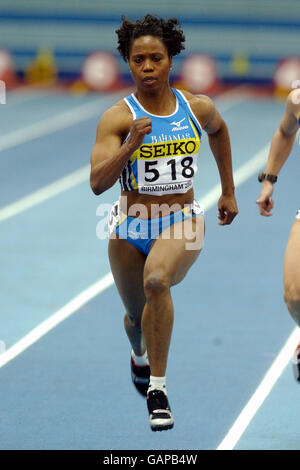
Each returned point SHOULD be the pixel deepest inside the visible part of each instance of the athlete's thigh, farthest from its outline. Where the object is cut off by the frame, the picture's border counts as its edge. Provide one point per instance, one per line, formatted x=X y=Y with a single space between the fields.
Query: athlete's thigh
x=291 y=266
x=176 y=249
x=127 y=266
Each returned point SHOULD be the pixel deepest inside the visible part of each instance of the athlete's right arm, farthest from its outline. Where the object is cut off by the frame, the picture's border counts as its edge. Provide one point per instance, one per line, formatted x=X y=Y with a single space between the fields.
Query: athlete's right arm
x=109 y=155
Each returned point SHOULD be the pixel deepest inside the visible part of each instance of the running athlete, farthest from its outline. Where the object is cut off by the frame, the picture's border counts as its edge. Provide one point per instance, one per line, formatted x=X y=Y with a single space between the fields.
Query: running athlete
x=150 y=141
x=281 y=146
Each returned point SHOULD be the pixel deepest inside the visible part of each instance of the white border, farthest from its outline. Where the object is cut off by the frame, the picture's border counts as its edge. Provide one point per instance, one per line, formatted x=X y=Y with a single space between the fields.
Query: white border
x=157 y=115
x=191 y=111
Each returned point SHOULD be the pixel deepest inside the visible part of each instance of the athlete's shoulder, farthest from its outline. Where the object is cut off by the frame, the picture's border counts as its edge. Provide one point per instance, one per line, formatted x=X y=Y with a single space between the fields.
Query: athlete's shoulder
x=119 y=110
x=200 y=100
x=118 y=117
x=202 y=106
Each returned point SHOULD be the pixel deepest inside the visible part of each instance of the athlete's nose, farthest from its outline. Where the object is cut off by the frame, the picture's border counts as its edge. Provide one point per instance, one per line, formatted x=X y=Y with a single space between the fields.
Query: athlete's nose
x=148 y=66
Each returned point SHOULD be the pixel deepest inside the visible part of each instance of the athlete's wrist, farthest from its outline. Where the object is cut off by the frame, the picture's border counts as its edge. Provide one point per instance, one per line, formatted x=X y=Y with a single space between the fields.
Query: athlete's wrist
x=228 y=191
x=267 y=183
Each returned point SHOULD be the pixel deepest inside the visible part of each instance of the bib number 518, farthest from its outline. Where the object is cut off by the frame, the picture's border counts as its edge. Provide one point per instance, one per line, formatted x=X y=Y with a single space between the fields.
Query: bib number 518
x=187 y=170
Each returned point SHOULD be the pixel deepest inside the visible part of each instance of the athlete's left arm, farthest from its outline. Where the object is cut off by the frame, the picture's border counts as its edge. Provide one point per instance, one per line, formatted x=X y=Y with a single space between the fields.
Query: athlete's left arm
x=219 y=142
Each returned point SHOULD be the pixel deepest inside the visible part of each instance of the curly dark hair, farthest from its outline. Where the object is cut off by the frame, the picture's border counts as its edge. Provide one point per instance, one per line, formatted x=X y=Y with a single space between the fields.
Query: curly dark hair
x=169 y=31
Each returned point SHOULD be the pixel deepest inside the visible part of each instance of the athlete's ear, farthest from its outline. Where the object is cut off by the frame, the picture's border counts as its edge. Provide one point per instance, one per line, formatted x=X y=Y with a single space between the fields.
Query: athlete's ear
x=170 y=61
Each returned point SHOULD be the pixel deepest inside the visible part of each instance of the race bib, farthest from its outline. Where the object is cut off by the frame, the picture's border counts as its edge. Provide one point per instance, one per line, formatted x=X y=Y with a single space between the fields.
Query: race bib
x=167 y=167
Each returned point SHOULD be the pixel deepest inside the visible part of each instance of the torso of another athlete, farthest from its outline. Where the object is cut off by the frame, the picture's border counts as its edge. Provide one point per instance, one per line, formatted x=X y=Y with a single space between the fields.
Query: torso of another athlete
x=160 y=173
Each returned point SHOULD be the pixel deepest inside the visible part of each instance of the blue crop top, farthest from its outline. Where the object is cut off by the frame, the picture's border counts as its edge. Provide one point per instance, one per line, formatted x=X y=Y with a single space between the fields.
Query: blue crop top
x=166 y=162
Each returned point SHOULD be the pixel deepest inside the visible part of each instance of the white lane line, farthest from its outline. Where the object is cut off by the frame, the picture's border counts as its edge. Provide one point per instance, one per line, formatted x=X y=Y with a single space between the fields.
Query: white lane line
x=52 y=124
x=20 y=97
x=242 y=174
x=48 y=126
x=47 y=192
x=209 y=199
x=43 y=328
x=261 y=393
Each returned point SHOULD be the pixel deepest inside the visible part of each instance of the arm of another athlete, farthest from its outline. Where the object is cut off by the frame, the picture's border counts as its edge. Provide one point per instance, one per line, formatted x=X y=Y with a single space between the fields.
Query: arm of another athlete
x=219 y=142
x=280 y=149
x=109 y=155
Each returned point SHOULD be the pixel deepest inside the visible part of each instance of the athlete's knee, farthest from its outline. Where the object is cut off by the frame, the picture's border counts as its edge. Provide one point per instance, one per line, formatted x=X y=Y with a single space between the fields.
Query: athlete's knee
x=156 y=282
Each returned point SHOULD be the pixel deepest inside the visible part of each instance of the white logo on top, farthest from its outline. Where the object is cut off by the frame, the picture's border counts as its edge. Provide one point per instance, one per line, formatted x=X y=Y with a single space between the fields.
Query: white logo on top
x=178 y=126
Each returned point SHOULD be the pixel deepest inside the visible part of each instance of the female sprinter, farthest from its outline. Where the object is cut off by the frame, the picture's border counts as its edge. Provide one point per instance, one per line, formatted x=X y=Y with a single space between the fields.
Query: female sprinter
x=150 y=141
x=281 y=146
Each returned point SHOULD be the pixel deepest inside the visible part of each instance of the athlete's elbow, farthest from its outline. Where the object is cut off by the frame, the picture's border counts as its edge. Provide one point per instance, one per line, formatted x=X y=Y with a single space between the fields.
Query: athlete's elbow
x=98 y=185
x=96 y=188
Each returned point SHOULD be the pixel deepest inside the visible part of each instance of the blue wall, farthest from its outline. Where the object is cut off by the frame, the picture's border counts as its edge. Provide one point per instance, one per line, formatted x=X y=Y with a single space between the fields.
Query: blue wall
x=264 y=31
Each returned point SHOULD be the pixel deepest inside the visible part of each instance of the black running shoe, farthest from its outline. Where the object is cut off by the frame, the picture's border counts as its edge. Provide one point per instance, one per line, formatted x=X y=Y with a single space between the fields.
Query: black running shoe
x=296 y=363
x=160 y=416
x=140 y=376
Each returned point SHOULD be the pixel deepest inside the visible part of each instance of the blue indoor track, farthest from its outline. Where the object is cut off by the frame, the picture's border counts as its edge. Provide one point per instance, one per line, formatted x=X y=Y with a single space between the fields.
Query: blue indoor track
x=71 y=389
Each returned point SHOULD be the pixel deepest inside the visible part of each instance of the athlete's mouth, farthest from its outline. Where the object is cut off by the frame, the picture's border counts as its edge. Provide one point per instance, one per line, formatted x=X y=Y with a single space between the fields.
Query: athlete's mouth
x=149 y=80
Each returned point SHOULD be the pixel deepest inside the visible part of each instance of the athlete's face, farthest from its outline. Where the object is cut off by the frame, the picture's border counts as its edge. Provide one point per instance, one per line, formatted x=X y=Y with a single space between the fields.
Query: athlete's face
x=149 y=62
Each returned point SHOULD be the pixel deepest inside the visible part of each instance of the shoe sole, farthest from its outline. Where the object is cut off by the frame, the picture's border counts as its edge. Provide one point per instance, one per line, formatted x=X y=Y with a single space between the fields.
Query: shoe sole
x=161 y=427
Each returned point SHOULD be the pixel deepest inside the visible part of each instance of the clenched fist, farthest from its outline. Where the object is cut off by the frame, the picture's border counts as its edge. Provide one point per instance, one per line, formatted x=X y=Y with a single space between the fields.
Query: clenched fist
x=139 y=128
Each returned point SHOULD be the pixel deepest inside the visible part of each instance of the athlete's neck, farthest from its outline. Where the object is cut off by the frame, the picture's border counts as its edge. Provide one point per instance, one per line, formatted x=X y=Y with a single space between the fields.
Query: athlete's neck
x=161 y=102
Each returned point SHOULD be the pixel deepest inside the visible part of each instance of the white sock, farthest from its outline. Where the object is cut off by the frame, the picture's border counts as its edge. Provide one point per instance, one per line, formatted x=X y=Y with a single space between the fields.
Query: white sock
x=157 y=383
x=140 y=360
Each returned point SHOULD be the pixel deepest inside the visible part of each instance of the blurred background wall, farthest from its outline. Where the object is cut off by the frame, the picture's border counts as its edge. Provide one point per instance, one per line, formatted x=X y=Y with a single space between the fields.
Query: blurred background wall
x=246 y=38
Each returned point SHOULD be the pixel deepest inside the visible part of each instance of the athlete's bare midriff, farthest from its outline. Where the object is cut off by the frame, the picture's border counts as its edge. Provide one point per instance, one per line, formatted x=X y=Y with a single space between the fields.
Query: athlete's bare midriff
x=153 y=206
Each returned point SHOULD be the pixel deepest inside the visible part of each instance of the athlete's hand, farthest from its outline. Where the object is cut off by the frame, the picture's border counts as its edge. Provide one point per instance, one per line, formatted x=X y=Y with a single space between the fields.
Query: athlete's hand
x=140 y=127
x=265 y=201
x=228 y=209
